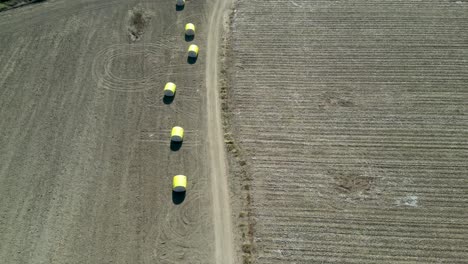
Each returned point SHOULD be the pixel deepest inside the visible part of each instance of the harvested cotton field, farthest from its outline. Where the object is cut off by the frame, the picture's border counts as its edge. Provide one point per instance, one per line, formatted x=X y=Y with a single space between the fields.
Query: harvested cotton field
x=350 y=121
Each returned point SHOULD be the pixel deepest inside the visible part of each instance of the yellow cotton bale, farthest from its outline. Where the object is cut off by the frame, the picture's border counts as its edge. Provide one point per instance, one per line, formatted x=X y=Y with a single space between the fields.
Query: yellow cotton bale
x=169 y=89
x=190 y=29
x=179 y=183
x=193 y=51
x=177 y=134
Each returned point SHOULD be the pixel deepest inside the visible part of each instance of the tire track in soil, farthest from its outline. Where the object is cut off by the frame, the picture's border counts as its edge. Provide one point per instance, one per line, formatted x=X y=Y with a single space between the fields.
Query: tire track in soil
x=183 y=223
x=106 y=79
x=191 y=138
x=185 y=102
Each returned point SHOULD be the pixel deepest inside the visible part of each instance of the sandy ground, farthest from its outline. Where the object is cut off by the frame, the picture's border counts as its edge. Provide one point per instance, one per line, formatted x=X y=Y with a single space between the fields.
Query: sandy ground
x=224 y=247
x=85 y=163
x=351 y=121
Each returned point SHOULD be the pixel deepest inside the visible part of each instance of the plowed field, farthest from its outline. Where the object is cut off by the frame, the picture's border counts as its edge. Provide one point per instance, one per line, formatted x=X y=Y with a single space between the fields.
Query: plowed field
x=353 y=120
x=86 y=164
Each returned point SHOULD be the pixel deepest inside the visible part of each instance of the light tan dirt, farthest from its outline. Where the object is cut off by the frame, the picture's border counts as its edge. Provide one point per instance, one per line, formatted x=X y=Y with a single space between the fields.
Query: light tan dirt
x=224 y=247
x=85 y=159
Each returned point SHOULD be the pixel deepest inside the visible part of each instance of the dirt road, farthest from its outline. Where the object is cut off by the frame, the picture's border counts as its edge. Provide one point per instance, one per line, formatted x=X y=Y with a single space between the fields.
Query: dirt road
x=224 y=248
x=85 y=161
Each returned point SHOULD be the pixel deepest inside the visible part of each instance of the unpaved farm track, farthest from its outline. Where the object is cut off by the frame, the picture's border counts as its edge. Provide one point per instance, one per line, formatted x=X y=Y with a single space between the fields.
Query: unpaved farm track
x=224 y=247
x=354 y=121
x=85 y=161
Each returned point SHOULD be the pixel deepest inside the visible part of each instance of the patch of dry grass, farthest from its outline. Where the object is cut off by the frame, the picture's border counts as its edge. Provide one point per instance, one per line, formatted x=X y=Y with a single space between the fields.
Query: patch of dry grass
x=137 y=21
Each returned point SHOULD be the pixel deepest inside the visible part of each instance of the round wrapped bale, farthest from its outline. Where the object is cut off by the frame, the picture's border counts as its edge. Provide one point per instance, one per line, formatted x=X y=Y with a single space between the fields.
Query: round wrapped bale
x=169 y=89
x=180 y=2
x=190 y=29
x=177 y=134
x=193 y=51
x=179 y=183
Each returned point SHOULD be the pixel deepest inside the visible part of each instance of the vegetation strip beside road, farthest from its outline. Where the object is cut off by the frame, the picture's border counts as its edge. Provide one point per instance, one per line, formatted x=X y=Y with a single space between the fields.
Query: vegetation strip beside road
x=9 y=4
x=240 y=178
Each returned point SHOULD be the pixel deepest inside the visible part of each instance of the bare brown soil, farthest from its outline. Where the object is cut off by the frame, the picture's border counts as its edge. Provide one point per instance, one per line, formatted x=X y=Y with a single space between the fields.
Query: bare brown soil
x=347 y=127
x=85 y=163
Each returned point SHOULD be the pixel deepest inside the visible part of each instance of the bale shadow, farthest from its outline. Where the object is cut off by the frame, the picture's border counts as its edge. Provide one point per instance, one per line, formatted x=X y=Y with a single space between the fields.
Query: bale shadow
x=179 y=8
x=191 y=60
x=168 y=99
x=175 y=146
x=189 y=38
x=178 y=197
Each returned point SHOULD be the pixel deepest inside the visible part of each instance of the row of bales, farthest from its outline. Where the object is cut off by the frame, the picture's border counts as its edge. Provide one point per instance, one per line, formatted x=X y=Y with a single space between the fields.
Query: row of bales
x=179 y=182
